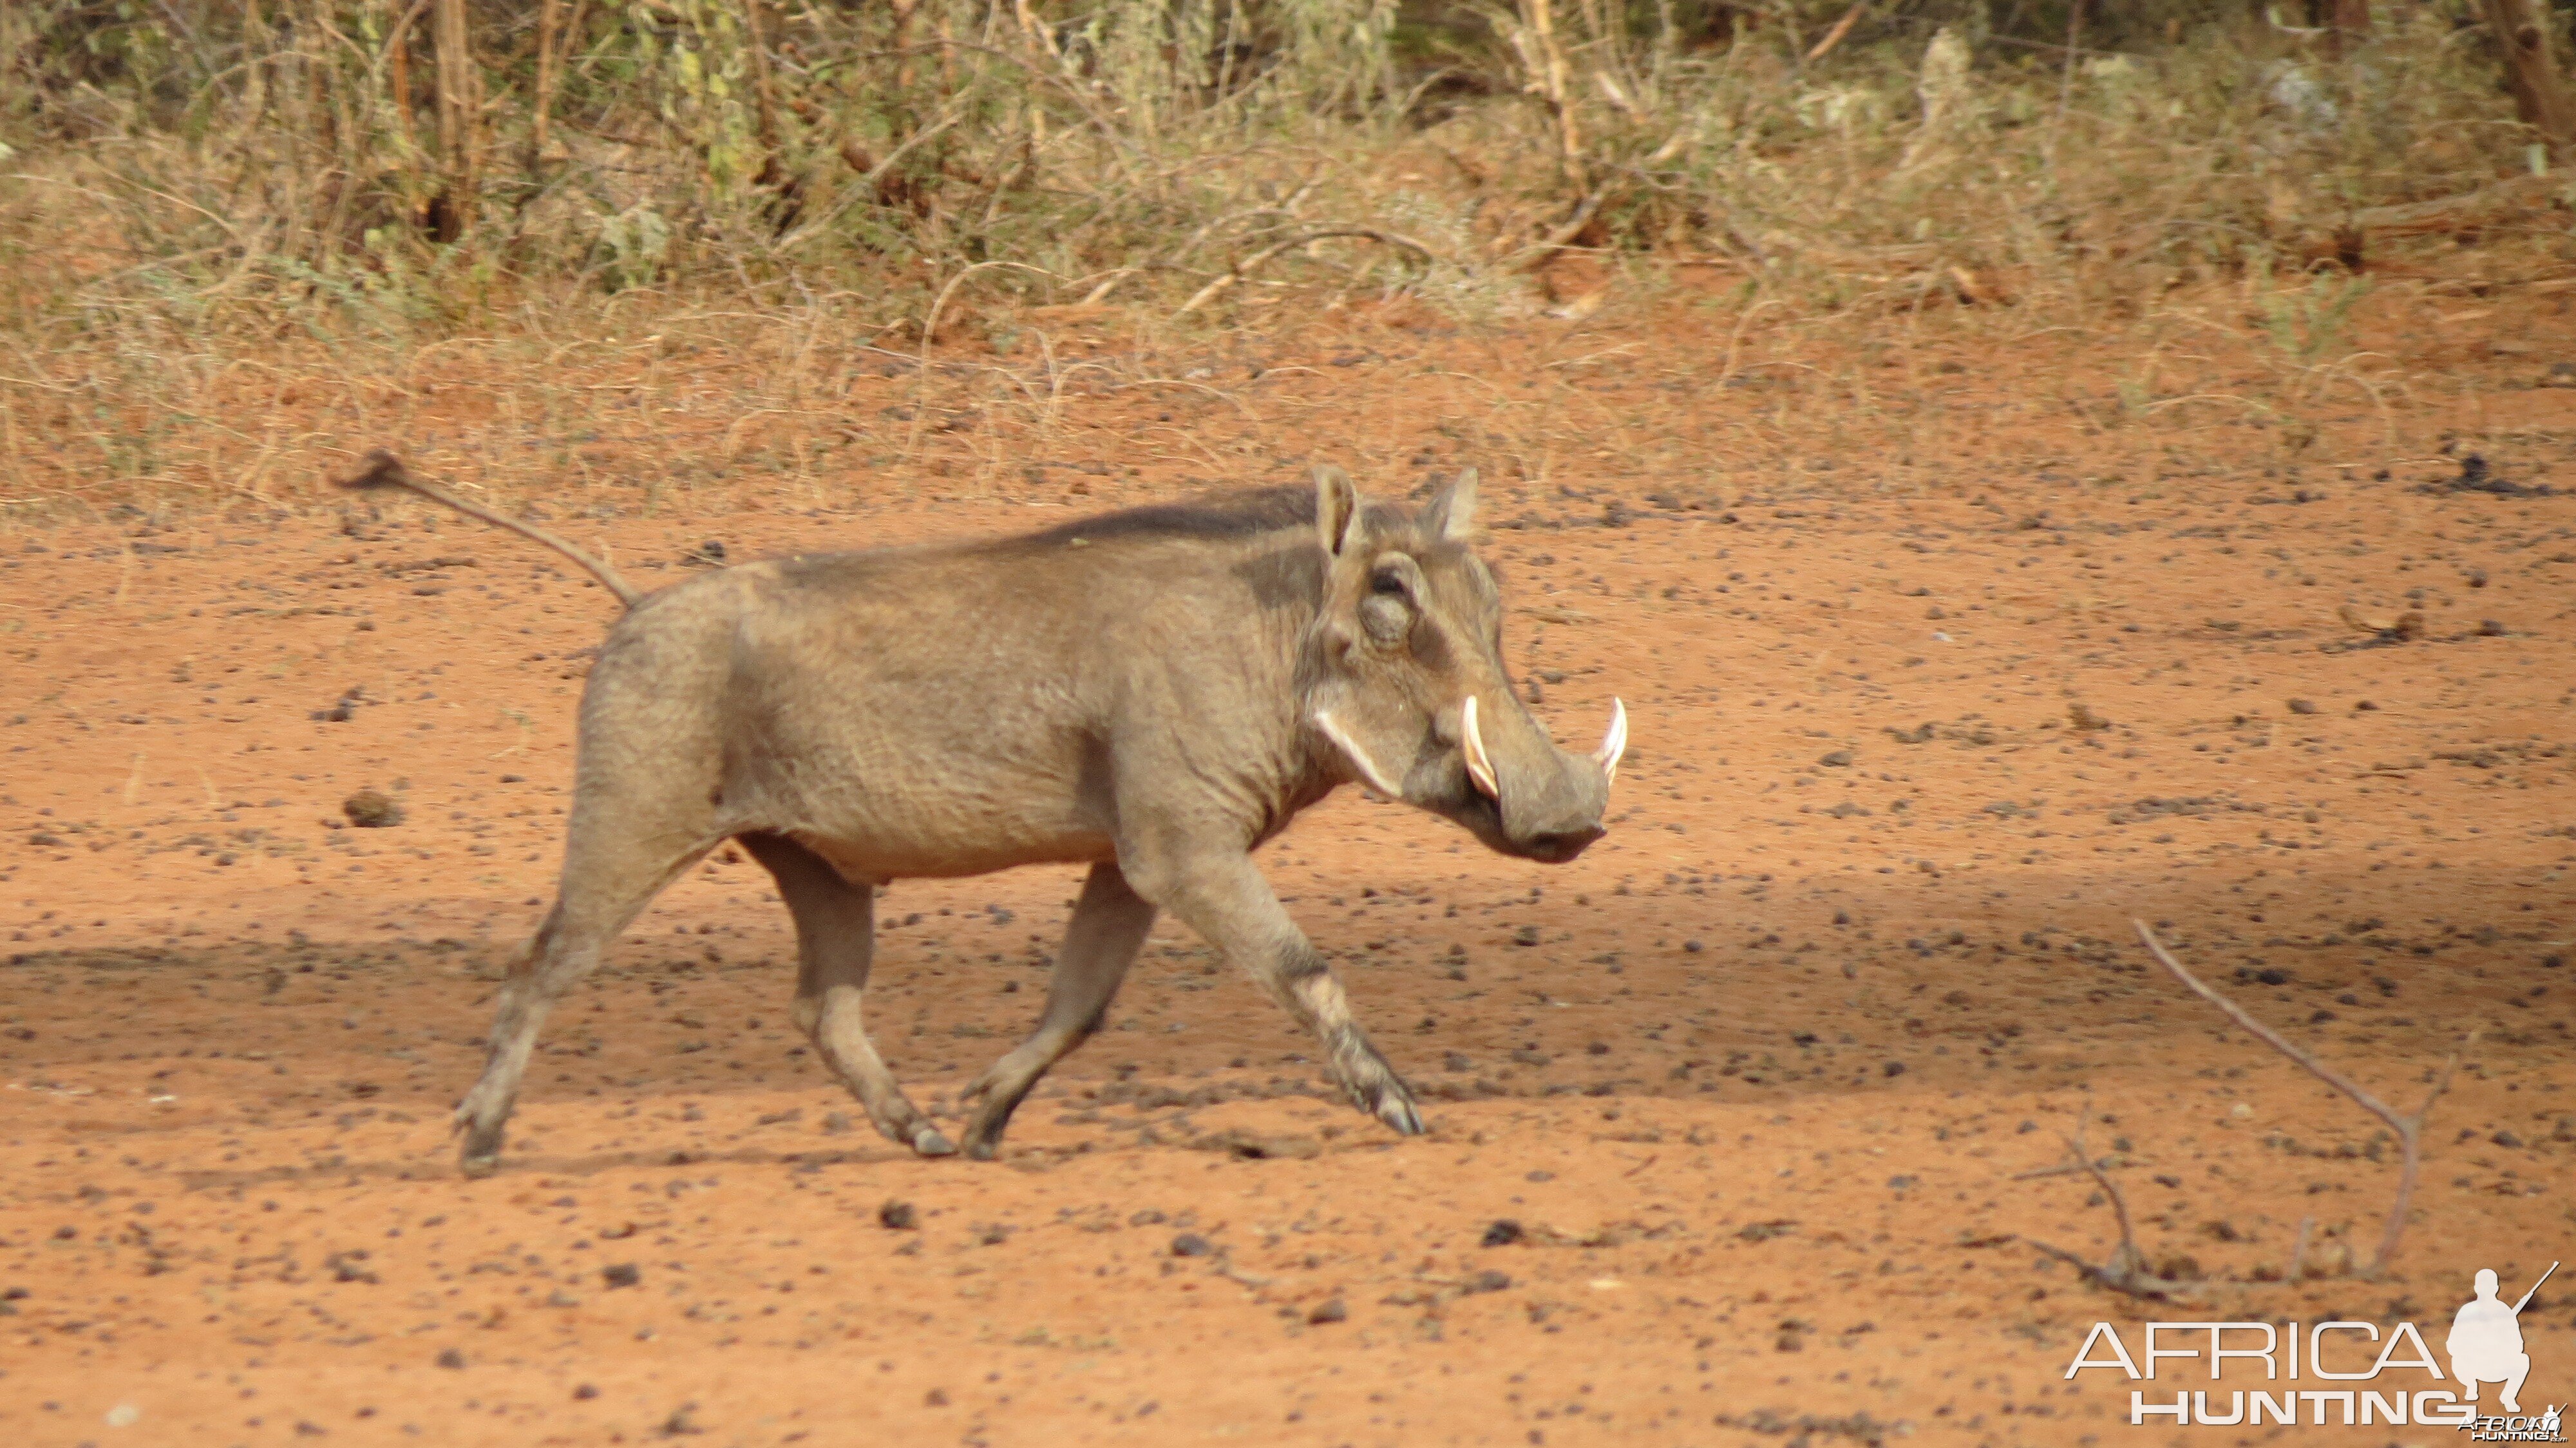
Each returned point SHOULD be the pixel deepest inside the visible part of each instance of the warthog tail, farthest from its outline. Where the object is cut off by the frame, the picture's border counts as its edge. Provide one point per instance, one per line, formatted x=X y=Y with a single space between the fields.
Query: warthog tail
x=384 y=470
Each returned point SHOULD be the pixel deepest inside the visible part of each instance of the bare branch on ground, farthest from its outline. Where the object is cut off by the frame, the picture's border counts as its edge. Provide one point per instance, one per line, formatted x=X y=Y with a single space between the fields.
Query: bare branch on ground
x=2409 y=1129
x=2127 y=1270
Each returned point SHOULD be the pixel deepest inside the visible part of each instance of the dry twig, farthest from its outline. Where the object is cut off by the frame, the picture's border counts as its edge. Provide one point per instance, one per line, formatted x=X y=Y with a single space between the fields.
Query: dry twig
x=1241 y=269
x=2126 y=1271
x=2409 y=1129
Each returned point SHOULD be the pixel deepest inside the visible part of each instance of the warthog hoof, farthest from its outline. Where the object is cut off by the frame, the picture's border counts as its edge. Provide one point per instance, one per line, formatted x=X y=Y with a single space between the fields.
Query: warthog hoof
x=1397 y=1110
x=481 y=1154
x=927 y=1140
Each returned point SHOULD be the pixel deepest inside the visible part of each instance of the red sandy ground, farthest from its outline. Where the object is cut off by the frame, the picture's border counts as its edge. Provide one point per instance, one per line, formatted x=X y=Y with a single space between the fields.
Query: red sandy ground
x=1764 y=1078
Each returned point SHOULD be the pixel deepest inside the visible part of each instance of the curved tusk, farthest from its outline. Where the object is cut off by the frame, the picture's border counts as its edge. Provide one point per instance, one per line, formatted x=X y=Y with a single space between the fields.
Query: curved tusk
x=1480 y=767
x=1615 y=742
x=1370 y=775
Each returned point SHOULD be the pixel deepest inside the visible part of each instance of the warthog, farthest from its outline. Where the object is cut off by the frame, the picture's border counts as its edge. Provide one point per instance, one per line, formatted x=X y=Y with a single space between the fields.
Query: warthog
x=1152 y=693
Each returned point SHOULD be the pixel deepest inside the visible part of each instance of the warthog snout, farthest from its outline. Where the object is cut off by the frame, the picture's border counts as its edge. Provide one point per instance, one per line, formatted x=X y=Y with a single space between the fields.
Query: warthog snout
x=1405 y=664
x=1546 y=802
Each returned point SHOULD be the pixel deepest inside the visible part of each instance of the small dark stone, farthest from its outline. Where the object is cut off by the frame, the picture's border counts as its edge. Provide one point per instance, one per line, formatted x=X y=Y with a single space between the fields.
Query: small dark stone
x=1503 y=1232
x=897 y=1216
x=1191 y=1244
x=1892 y=1068
x=1836 y=759
x=1489 y=1280
x=1332 y=1311
x=2505 y=1137
x=370 y=810
x=935 y=1398
x=451 y=1358
x=621 y=1274
x=585 y=1392
x=2302 y=706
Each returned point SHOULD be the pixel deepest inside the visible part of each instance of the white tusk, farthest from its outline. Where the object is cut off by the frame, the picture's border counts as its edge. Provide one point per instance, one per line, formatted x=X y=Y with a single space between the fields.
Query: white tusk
x=1613 y=743
x=1480 y=767
x=1370 y=774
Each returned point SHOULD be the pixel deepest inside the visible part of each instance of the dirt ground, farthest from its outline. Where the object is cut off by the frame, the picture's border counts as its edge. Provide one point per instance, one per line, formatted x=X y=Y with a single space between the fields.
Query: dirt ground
x=1949 y=648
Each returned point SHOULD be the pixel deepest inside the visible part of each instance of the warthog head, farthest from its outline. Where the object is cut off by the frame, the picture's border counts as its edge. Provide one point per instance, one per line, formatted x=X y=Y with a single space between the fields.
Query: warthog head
x=1403 y=672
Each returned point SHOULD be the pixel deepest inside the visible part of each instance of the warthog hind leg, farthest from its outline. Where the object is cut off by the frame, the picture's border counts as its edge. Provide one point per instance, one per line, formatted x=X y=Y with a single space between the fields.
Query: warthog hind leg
x=1225 y=899
x=605 y=885
x=835 y=943
x=1109 y=923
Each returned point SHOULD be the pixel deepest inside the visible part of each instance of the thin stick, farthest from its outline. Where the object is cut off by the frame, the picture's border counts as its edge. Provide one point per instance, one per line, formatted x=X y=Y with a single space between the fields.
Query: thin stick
x=2126 y=1271
x=2129 y=1253
x=549 y=23
x=764 y=93
x=1835 y=36
x=2409 y=1129
x=1236 y=273
x=455 y=87
x=1558 y=239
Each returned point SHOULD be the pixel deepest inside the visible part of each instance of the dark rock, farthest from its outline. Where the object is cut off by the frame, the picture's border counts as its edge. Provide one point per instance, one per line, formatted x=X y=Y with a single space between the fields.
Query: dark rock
x=370 y=810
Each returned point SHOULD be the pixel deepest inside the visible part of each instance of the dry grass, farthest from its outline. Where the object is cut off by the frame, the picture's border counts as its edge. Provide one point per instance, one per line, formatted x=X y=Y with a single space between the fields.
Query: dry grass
x=217 y=286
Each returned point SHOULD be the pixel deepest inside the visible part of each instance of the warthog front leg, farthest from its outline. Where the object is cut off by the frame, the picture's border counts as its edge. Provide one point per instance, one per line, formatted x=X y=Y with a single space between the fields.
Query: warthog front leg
x=1225 y=899
x=835 y=944
x=1109 y=923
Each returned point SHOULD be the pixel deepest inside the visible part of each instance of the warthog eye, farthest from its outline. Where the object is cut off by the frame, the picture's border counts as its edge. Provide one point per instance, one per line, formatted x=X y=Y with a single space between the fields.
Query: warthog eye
x=1388 y=581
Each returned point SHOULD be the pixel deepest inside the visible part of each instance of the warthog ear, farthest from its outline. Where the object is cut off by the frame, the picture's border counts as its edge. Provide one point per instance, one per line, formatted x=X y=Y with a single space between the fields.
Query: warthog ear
x=1452 y=514
x=1337 y=508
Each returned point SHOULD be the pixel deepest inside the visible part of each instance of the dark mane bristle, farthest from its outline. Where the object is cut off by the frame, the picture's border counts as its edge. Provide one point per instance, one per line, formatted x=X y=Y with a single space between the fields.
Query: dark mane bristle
x=1239 y=514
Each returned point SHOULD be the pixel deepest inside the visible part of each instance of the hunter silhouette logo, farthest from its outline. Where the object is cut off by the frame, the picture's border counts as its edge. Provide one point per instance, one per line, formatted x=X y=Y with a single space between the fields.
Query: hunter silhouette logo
x=2486 y=1341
